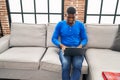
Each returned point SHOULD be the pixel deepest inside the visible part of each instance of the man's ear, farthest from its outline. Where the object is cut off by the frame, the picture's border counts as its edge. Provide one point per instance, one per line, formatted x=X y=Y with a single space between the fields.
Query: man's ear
x=75 y=14
x=65 y=15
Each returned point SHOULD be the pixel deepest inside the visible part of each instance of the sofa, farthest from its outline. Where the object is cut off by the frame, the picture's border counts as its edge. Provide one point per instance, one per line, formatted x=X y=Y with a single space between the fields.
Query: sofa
x=99 y=56
x=28 y=53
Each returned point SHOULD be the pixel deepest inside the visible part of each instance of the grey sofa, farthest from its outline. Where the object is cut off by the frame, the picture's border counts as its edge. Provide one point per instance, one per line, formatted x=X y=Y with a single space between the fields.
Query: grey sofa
x=28 y=53
x=99 y=56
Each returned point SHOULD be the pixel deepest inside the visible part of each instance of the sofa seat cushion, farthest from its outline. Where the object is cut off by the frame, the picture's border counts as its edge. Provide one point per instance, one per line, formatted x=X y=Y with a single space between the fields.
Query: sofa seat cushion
x=51 y=61
x=22 y=58
x=102 y=60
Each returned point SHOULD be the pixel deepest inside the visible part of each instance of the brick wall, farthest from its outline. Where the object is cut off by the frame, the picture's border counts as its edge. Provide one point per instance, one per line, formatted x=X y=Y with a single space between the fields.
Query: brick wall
x=4 y=17
x=78 y=4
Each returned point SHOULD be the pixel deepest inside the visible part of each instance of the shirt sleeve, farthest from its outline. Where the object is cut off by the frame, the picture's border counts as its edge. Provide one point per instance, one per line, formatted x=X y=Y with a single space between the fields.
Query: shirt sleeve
x=83 y=34
x=56 y=34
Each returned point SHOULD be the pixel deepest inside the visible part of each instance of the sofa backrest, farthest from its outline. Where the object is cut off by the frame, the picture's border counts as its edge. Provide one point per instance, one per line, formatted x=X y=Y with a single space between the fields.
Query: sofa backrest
x=27 y=34
x=50 y=30
x=101 y=35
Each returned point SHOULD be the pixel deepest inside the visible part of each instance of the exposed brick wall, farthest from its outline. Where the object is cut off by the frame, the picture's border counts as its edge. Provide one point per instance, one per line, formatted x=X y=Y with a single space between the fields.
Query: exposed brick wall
x=79 y=5
x=4 y=17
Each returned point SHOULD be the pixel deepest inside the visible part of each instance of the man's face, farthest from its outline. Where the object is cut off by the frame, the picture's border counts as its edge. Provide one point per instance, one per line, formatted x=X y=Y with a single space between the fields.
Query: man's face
x=70 y=18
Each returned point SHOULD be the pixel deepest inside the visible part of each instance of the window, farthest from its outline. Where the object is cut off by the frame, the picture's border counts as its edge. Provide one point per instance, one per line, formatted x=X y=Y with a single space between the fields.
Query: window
x=102 y=11
x=35 y=11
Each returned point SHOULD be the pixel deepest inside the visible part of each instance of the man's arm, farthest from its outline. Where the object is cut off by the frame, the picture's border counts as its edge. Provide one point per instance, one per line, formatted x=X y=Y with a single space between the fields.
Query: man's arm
x=56 y=35
x=83 y=36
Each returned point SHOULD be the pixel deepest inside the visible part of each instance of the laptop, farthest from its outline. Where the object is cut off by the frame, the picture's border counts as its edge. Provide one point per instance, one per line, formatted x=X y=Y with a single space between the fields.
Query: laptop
x=74 y=51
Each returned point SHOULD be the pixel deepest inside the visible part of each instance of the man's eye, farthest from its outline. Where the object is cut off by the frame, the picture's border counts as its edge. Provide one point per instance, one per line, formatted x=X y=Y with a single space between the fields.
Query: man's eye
x=71 y=17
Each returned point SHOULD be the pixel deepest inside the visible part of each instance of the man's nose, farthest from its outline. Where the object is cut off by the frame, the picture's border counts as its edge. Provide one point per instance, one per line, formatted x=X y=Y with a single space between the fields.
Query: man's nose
x=71 y=19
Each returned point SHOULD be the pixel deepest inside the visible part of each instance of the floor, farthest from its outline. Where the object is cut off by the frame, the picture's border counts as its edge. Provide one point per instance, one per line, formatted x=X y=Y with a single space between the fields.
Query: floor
x=84 y=78
x=8 y=79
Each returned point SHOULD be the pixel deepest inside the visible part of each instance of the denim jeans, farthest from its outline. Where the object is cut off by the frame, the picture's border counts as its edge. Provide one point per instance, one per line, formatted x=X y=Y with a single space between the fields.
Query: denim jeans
x=67 y=61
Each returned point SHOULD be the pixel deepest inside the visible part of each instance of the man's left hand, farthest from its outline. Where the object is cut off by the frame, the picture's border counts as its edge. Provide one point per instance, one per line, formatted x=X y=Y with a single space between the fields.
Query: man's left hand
x=80 y=46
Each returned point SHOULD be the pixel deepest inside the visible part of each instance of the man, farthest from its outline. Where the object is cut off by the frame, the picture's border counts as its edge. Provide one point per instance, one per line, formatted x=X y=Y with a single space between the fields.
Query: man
x=72 y=34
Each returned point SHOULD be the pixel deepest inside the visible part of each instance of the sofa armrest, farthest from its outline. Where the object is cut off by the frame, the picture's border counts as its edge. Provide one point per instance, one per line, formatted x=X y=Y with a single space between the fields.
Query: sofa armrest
x=4 y=43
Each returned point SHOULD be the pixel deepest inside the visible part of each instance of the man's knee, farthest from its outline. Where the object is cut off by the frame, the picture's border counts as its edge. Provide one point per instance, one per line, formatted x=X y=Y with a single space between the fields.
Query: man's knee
x=65 y=65
x=77 y=64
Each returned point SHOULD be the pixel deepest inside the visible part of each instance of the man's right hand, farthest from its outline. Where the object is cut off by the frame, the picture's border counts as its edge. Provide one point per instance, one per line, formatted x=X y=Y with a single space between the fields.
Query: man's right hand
x=62 y=47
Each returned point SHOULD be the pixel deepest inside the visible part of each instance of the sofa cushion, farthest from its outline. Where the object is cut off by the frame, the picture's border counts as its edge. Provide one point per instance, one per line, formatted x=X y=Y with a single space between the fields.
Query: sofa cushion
x=101 y=36
x=51 y=61
x=22 y=58
x=116 y=44
x=50 y=30
x=27 y=34
x=102 y=60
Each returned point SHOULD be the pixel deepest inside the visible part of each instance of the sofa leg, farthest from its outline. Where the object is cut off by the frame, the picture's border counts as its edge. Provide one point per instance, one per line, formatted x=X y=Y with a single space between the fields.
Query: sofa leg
x=81 y=77
x=84 y=77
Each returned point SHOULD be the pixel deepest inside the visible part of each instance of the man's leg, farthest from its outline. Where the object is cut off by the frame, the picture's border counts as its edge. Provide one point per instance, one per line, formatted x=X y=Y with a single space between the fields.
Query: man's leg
x=66 y=65
x=77 y=65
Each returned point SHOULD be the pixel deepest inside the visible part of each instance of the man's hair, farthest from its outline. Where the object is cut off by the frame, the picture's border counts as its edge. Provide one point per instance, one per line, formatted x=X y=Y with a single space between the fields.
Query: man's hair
x=71 y=10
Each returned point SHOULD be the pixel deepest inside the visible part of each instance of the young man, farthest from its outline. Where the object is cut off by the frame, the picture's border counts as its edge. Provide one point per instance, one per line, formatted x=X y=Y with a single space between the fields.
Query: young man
x=72 y=34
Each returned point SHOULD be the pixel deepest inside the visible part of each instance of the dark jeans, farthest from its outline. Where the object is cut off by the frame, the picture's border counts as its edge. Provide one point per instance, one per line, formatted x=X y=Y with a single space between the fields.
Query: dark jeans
x=67 y=61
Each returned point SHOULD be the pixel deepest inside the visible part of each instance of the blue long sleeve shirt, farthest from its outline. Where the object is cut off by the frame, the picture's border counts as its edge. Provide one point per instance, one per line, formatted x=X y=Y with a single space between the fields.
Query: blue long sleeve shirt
x=70 y=35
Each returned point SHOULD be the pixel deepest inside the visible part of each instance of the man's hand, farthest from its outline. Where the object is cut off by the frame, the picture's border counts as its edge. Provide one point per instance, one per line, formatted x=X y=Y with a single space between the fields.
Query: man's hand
x=62 y=47
x=80 y=46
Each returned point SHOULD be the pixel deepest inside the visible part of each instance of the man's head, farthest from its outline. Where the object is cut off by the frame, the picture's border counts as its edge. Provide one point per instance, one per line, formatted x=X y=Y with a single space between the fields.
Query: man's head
x=71 y=12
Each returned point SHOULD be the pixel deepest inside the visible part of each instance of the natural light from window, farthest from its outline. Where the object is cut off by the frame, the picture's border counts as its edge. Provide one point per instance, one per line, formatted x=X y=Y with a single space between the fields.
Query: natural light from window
x=103 y=12
x=35 y=11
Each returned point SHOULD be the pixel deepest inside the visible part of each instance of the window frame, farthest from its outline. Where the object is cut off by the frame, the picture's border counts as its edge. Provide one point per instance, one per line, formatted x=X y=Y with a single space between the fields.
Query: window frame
x=34 y=13
x=100 y=14
x=1 y=29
